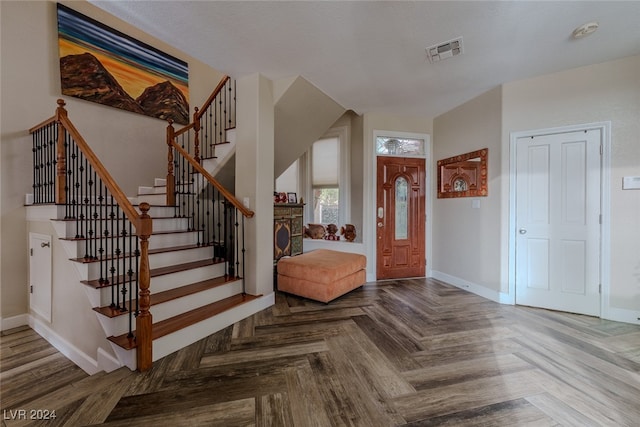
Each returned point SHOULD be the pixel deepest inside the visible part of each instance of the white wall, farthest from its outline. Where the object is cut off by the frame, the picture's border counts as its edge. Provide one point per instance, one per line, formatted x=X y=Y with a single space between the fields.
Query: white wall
x=132 y=146
x=479 y=239
x=598 y=93
x=467 y=240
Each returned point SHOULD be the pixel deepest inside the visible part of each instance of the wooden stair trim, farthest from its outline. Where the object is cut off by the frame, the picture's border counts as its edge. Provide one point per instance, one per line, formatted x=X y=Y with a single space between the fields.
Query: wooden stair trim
x=169 y=295
x=173 y=324
x=160 y=271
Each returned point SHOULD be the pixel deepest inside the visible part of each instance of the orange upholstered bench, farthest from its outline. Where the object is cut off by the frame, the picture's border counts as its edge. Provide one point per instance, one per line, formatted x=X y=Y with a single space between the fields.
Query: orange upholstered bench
x=321 y=275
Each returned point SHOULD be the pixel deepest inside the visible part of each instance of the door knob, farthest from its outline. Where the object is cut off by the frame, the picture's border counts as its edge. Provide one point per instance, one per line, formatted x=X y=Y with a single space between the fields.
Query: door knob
x=522 y=231
x=44 y=245
x=380 y=225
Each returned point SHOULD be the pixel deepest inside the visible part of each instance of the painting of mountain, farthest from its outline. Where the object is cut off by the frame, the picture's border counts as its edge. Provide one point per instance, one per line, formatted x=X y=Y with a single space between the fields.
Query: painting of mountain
x=103 y=65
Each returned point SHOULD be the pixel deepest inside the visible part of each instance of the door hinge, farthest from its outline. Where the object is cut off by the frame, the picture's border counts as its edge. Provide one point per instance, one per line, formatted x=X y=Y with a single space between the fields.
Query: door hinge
x=600 y=219
x=31 y=250
x=600 y=288
x=601 y=150
x=31 y=289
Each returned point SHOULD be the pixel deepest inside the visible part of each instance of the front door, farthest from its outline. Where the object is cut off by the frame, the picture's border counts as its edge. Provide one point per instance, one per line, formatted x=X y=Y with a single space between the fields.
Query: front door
x=558 y=221
x=400 y=217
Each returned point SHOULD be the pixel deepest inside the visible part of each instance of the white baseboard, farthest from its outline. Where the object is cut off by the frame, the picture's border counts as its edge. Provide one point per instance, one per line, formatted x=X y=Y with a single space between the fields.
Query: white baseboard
x=84 y=361
x=14 y=322
x=611 y=313
x=468 y=286
x=107 y=362
x=622 y=315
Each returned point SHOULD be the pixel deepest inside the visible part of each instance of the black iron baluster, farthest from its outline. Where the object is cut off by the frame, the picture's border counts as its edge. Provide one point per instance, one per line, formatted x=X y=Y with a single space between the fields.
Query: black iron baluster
x=45 y=168
x=110 y=250
x=86 y=215
x=68 y=186
x=228 y=107
x=51 y=171
x=54 y=162
x=225 y=221
x=220 y=234
x=34 y=150
x=210 y=130
x=122 y=259
x=244 y=277
x=101 y=221
x=137 y=274
x=130 y=279
x=115 y=240
x=235 y=242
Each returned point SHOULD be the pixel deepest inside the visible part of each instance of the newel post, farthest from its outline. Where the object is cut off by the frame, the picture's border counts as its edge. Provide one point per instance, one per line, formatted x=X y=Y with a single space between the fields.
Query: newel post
x=144 y=319
x=61 y=162
x=171 y=182
x=196 y=139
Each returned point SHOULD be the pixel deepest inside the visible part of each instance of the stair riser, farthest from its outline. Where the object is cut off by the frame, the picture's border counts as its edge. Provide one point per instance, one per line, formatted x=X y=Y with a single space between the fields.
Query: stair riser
x=168 y=344
x=152 y=190
x=159 y=225
x=158 y=260
x=105 y=211
x=159 y=211
x=152 y=199
x=156 y=241
x=102 y=297
x=223 y=153
x=175 y=280
x=120 y=325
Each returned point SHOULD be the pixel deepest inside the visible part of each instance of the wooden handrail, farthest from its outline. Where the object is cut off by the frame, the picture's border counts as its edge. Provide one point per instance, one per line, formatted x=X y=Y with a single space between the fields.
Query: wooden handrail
x=213 y=95
x=184 y=129
x=45 y=123
x=230 y=197
x=102 y=172
x=142 y=223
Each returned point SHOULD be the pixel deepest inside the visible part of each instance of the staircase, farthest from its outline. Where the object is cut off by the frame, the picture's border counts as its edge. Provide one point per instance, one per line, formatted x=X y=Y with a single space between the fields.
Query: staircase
x=191 y=296
x=161 y=269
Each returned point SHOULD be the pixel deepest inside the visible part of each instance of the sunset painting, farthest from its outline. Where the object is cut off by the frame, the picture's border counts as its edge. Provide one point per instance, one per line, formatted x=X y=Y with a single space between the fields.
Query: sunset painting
x=100 y=64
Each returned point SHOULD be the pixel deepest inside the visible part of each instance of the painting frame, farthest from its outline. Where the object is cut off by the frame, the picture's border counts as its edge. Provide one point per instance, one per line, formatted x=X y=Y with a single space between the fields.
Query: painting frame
x=464 y=175
x=103 y=65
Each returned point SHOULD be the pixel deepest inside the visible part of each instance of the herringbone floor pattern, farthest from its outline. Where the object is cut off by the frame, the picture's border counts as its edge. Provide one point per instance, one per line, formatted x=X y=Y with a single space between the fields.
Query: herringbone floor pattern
x=411 y=352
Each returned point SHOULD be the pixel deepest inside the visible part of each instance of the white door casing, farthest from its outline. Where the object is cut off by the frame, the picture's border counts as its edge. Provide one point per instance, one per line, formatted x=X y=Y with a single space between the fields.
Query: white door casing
x=558 y=221
x=40 y=271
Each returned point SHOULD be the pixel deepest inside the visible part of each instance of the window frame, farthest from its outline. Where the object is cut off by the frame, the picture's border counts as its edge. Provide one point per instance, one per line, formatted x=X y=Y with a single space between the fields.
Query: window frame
x=344 y=176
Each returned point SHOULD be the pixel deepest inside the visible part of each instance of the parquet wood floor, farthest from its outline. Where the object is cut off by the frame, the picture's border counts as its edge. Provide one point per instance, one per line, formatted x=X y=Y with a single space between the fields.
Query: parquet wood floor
x=396 y=353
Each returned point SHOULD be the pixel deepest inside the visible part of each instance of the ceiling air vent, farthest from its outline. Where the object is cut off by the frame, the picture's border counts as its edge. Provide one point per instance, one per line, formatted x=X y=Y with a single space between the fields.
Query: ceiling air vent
x=445 y=50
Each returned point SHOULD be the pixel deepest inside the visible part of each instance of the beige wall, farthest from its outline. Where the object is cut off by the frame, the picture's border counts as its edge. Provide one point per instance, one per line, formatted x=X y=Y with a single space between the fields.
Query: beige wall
x=466 y=239
x=30 y=85
x=603 y=92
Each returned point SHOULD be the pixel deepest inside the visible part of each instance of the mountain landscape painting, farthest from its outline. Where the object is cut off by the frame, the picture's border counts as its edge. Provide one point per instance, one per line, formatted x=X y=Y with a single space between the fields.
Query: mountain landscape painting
x=100 y=64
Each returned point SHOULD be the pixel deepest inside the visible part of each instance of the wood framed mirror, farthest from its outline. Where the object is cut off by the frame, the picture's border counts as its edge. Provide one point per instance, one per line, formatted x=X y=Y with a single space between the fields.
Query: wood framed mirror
x=464 y=175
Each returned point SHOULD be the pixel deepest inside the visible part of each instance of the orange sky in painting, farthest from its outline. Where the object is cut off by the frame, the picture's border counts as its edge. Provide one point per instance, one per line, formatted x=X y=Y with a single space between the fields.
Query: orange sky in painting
x=133 y=80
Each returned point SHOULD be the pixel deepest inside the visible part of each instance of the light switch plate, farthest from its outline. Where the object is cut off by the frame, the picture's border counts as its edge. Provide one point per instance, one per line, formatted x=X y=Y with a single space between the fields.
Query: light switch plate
x=631 y=183
x=475 y=204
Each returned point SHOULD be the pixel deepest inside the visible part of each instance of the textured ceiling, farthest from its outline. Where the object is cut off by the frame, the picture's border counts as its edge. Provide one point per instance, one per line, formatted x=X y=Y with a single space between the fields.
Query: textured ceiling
x=370 y=56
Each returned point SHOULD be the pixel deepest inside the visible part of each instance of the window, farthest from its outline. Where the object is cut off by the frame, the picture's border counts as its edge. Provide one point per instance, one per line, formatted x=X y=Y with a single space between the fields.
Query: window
x=386 y=145
x=325 y=179
x=328 y=179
